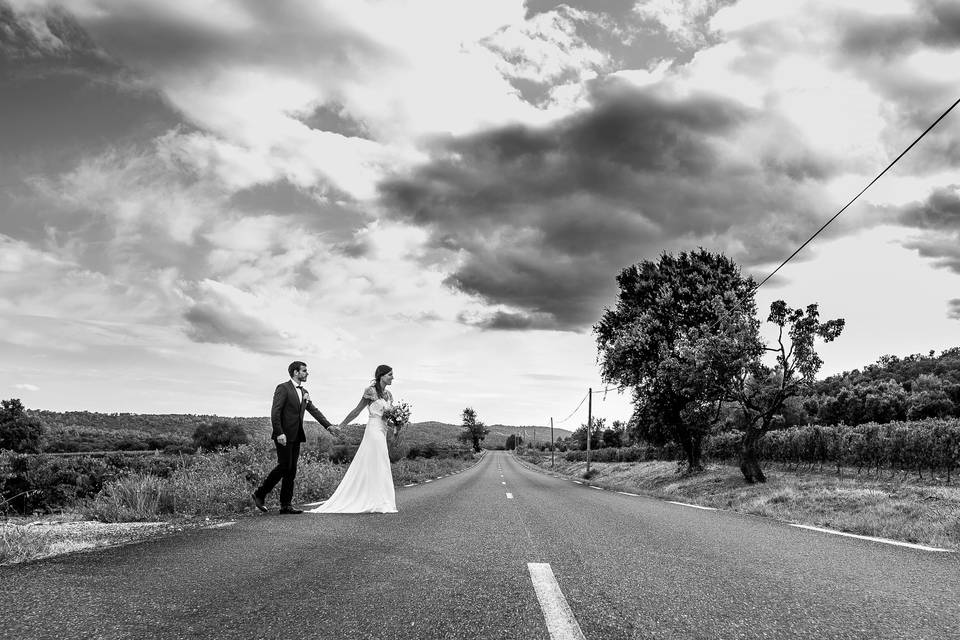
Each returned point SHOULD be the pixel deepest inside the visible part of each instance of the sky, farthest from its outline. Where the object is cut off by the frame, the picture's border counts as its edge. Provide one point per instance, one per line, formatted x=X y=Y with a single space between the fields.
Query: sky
x=194 y=194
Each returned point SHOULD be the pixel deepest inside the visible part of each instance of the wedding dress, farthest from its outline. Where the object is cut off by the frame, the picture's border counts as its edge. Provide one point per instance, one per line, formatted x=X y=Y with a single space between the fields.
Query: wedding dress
x=367 y=487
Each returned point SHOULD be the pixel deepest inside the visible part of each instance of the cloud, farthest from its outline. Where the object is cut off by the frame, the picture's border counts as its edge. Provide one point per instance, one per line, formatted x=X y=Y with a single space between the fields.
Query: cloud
x=938 y=221
x=546 y=48
x=543 y=218
x=685 y=20
x=227 y=316
x=26 y=387
x=925 y=24
x=954 y=309
x=940 y=211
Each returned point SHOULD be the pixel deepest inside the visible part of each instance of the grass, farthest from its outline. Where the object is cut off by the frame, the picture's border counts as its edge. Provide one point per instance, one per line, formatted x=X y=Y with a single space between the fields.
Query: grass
x=906 y=509
x=220 y=484
x=206 y=486
x=19 y=544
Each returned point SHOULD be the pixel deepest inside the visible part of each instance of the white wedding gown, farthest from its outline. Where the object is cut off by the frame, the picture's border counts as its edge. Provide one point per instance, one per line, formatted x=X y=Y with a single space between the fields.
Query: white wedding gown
x=367 y=486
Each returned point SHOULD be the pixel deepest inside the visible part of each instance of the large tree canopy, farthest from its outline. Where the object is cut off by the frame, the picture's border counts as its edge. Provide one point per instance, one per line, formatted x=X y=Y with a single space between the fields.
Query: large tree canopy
x=682 y=329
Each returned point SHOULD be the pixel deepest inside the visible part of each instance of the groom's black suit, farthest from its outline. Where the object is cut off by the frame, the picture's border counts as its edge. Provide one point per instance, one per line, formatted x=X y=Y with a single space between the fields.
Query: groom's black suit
x=286 y=416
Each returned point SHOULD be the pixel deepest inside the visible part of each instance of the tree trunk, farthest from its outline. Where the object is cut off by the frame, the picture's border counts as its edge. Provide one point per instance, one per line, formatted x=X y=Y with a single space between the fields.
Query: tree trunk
x=749 y=462
x=691 y=441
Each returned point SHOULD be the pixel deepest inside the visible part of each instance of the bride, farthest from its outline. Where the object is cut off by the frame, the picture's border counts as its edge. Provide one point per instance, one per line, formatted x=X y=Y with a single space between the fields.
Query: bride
x=367 y=487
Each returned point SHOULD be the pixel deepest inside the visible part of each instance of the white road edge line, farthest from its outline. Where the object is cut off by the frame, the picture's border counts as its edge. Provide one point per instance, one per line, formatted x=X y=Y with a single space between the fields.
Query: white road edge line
x=561 y=624
x=695 y=506
x=509 y=496
x=576 y=482
x=627 y=493
x=220 y=525
x=872 y=538
x=593 y=487
x=412 y=484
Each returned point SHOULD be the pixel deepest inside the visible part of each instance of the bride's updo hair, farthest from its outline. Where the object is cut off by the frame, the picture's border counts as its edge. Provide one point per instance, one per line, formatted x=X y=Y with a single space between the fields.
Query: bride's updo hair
x=381 y=371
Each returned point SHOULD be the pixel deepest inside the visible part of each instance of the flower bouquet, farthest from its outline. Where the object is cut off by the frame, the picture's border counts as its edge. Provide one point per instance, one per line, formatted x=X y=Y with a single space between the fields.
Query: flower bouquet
x=397 y=416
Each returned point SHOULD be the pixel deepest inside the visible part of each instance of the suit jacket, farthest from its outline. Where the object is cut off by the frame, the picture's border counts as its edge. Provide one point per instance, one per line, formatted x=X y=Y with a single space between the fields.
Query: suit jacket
x=286 y=416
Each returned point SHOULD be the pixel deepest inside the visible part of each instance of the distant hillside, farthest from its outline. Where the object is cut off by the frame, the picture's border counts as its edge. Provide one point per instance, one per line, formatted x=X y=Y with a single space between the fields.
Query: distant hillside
x=90 y=431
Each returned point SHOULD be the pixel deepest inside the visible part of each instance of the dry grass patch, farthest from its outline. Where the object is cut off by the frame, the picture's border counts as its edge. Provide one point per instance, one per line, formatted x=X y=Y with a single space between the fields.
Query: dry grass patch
x=22 y=541
x=910 y=510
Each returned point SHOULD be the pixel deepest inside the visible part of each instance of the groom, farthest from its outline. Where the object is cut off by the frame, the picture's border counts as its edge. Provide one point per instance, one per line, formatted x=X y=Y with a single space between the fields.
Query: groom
x=290 y=400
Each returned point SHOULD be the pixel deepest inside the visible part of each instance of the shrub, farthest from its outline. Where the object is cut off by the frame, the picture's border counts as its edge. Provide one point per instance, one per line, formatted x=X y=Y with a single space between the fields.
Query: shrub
x=18 y=431
x=217 y=434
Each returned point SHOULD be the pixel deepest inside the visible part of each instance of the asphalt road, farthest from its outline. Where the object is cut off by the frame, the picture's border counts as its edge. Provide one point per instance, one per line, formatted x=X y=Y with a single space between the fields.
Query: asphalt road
x=454 y=564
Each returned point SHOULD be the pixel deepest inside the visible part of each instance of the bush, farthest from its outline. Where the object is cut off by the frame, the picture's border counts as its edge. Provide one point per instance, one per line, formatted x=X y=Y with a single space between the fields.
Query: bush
x=18 y=431
x=210 y=436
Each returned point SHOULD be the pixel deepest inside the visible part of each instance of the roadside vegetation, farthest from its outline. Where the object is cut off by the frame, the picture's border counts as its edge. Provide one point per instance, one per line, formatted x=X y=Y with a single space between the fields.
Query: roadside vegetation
x=904 y=508
x=210 y=480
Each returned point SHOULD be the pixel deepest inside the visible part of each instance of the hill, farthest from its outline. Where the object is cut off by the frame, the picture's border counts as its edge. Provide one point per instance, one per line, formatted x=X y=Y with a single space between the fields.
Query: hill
x=92 y=431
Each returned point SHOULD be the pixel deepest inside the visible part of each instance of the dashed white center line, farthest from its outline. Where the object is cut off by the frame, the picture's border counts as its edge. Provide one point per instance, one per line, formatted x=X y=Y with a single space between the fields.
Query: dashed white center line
x=695 y=506
x=561 y=623
x=506 y=483
x=576 y=482
x=593 y=487
x=509 y=496
x=883 y=540
x=627 y=493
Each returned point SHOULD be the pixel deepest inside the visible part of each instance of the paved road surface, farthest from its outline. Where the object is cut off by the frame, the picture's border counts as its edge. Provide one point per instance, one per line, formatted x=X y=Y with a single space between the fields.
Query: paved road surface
x=455 y=563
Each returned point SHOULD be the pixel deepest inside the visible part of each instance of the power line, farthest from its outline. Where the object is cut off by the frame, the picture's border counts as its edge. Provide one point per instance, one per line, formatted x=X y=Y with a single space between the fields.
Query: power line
x=575 y=410
x=837 y=214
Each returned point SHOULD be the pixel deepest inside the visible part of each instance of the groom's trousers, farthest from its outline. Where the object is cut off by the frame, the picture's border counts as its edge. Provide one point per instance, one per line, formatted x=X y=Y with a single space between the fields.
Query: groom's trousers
x=284 y=472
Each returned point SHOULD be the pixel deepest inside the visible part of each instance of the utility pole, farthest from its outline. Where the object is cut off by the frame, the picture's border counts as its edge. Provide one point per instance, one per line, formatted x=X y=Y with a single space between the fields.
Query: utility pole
x=551 y=442
x=589 y=423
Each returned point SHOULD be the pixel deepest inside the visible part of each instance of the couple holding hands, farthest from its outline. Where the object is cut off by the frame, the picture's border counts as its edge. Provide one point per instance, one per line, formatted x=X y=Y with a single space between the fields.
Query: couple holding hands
x=367 y=486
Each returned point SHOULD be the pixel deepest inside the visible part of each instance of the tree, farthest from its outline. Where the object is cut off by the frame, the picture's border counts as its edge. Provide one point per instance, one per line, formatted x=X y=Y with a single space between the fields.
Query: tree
x=219 y=434
x=513 y=441
x=615 y=435
x=762 y=390
x=682 y=329
x=18 y=431
x=474 y=431
x=596 y=435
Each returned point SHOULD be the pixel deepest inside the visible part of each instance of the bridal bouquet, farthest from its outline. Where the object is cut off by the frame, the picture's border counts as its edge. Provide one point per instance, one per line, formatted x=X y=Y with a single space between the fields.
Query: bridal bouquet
x=397 y=416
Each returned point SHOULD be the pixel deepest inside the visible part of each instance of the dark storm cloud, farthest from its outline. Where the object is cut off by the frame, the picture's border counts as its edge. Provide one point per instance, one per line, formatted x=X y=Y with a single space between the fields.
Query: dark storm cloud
x=334 y=118
x=544 y=218
x=63 y=100
x=221 y=323
x=155 y=36
x=940 y=211
x=62 y=97
x=938 y=220
x=954 y=309
x=932 y=24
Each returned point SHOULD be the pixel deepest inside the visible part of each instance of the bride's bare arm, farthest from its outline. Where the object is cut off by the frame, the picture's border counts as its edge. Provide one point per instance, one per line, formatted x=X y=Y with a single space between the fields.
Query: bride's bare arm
x=356 y=411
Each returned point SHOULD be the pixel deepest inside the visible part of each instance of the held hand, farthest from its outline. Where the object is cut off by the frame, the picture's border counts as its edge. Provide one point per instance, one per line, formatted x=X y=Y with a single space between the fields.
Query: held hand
x=282 y=439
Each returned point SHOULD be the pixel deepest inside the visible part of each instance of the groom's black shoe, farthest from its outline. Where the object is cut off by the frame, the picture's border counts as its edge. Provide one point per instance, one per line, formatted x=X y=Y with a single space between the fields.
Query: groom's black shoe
x=289 y=509
x=258 y=501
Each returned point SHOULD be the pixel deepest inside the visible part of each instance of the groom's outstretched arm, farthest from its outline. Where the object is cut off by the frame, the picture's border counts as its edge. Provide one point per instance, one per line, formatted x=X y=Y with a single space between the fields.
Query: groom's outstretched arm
x=278 y=397
x=312 y=408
